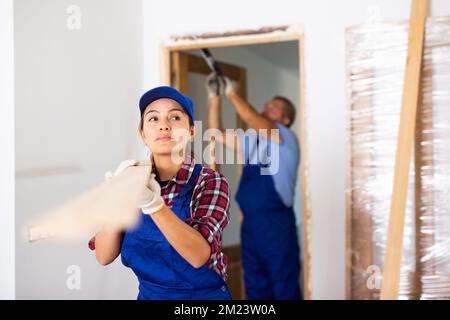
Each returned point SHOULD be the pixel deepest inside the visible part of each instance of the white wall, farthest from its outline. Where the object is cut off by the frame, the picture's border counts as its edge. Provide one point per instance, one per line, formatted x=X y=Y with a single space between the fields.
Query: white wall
x=77 y=93
x=325 y=22
x=7 y=247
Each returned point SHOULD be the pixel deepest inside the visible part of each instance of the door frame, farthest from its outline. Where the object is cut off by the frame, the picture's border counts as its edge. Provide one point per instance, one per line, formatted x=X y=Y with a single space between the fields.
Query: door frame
x=170 y=47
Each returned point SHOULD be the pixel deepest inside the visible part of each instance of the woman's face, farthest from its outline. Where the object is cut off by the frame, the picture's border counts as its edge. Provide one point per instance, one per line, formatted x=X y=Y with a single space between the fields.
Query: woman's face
x=166 y=128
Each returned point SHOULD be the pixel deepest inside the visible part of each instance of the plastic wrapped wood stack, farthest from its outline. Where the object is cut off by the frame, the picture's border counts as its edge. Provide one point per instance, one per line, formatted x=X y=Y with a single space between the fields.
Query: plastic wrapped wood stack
x=376 y=56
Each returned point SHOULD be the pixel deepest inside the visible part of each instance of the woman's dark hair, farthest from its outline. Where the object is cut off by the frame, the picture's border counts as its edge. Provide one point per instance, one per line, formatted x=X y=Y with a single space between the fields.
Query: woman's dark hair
x=141 y=123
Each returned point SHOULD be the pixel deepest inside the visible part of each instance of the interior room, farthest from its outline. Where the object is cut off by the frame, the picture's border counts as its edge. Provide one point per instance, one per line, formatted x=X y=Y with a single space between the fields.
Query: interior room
x=368 y=188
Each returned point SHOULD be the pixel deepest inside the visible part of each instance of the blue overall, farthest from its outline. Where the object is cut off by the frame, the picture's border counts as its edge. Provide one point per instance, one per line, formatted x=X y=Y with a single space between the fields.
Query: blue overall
x=270 y=251
x=162 y=273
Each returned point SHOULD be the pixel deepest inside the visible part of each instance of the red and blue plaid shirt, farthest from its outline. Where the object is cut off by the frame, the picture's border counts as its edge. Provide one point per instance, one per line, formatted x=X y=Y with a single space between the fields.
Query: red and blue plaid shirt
x=210 y=205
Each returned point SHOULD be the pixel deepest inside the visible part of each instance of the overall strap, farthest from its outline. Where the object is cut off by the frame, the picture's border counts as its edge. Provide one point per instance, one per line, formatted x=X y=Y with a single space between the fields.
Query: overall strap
x=247 y=152
x=186 y=190
x=265 y=165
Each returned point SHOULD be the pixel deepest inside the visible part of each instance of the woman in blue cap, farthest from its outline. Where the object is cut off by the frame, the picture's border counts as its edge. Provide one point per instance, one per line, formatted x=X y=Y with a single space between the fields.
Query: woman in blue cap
x=175 y=251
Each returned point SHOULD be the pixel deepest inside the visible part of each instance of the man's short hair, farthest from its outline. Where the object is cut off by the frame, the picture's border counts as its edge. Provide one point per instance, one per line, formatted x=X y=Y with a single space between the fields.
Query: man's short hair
x=289 y=109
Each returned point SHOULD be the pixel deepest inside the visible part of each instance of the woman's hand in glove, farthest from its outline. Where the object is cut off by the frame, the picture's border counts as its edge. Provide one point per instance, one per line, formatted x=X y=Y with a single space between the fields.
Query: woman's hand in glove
x=151 y=201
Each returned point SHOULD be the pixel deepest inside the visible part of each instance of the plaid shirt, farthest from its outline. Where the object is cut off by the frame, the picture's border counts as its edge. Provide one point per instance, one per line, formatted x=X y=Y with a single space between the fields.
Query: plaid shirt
x=210 y=205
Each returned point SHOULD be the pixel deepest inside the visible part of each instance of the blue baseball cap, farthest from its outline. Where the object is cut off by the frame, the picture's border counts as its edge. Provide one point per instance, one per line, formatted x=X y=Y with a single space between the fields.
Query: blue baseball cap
x=170 y=93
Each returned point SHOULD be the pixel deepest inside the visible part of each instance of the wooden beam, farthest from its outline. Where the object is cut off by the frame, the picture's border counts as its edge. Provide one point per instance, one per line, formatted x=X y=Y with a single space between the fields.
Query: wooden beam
x=304 y=170
x=111 y=204
x=393 y=256
x=164 y=68
x=241 y=83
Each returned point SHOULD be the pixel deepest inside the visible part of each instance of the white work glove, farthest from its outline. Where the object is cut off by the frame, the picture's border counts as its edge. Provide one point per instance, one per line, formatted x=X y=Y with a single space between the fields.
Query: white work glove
x=214 y=85
x=121 y=168
x=228 y=86
x=108 y=175
x=151 y=200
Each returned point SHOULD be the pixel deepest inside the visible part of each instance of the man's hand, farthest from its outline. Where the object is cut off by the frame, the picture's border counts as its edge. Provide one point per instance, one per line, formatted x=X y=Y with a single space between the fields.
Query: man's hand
x=229 y=87
x=215 y=85
x=151 y=200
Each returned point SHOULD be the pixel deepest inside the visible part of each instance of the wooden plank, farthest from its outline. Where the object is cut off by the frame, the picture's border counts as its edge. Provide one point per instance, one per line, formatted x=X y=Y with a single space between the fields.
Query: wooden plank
x=111 y=204
x=392 y=258
x=180 y=76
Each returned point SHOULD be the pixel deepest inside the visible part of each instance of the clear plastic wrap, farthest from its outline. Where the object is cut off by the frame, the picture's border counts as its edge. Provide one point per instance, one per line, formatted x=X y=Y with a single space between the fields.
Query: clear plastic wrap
x=376 y=56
